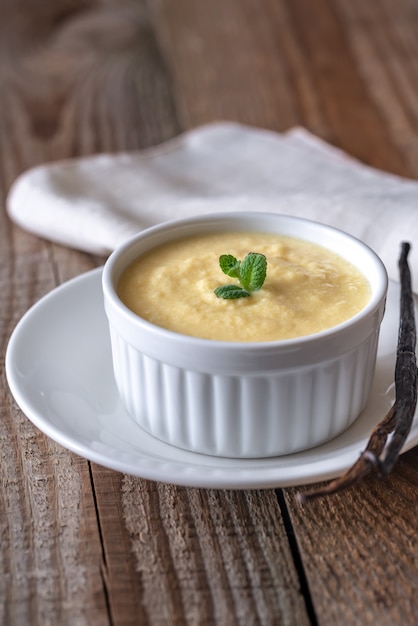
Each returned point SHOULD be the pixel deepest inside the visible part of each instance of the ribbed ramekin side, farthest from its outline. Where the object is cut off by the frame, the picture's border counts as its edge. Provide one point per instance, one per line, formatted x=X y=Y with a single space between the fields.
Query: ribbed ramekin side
x=244 y=416
x=340 y=391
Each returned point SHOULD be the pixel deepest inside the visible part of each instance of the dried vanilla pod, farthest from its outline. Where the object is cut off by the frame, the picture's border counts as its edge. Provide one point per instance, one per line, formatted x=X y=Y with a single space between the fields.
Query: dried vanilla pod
x=399 y=418
x=406 y=367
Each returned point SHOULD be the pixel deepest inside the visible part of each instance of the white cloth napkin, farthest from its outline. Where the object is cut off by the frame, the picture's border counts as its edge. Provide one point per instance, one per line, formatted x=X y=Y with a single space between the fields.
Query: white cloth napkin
x=95 y=203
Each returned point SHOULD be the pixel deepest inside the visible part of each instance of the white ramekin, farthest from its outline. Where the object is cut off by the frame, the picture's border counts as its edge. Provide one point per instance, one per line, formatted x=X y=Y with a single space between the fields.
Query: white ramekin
x=244 y=399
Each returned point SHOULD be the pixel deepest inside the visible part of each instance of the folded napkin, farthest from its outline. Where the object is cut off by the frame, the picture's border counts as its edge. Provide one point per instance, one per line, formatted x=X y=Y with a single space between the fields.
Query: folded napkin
x=95 y=203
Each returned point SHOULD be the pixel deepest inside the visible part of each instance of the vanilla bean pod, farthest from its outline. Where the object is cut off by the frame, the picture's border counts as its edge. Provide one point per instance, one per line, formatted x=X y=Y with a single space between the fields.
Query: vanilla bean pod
x=399 y=418
x=406 y=368
x=366 y=463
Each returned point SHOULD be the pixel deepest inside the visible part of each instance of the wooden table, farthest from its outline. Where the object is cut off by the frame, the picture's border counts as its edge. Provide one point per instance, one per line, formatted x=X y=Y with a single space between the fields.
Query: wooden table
x=85 y=545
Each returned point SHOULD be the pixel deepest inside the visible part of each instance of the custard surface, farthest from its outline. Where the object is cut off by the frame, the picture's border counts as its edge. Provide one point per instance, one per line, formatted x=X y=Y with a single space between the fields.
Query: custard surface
x=307 y=289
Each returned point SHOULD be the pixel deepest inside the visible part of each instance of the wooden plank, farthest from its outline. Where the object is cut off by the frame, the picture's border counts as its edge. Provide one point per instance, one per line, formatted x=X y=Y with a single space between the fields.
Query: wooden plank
x=359 y=549
x=212 y=81
x=294 y=68
x=383 y=42
x=202 y=556
x=47 y=533
x=44 y=505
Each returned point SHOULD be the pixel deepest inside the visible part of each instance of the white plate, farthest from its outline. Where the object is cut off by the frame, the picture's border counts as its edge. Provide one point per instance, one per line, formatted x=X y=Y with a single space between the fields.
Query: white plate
x=59 y=369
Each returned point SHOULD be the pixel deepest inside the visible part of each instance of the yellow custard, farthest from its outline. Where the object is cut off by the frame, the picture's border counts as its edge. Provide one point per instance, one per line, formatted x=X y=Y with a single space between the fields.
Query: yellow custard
x=307 y=289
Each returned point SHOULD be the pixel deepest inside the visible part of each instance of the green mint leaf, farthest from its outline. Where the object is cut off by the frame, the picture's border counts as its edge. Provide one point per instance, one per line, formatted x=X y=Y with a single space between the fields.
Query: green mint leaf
x=229 y=265
x=231 y=292
x=253 y=271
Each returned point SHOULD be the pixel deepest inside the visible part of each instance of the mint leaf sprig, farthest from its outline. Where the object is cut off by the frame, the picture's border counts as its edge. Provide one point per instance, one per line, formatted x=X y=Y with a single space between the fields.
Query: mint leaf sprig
x=251 y=273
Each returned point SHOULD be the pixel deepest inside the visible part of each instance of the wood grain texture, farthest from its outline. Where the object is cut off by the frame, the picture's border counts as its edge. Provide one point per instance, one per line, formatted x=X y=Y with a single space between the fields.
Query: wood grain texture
x=296 y=66
x=362 y=546
x=81 y=544
x=219 y=556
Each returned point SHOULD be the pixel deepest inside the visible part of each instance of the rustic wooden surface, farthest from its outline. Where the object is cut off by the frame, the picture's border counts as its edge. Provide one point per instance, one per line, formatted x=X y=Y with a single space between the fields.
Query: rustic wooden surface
x=83 y=545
